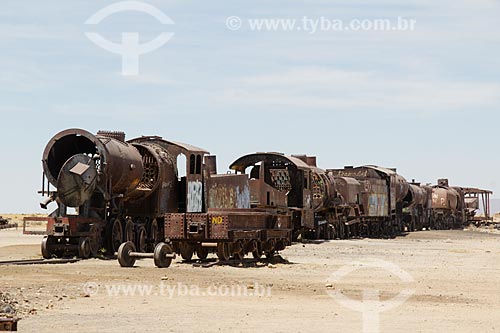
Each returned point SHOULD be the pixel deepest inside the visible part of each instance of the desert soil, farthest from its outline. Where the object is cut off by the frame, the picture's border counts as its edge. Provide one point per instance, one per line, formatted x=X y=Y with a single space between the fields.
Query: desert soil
x=453 y=278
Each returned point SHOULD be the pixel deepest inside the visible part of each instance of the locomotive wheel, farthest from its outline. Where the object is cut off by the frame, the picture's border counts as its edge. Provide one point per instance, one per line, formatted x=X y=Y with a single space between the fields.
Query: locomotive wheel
x=223 y=251
x=161 y=250
x=187 y=251
x=141 y=239
x=270 y=248
x=202 y=252
x=124 y=258
x=84 y=247
x=280 y=245
x=257 y=249
x=238 y=251
x=94 y=240
x=116 y=235
x=47 y=243
x=154 y=233
x=128 y=231
x=269 y=254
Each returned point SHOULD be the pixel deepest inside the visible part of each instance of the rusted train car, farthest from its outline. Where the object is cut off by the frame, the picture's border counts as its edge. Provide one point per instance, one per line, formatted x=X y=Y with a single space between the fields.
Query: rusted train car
x=417 y=207
x=448 y=206
x=376 y=199
x=237 y=214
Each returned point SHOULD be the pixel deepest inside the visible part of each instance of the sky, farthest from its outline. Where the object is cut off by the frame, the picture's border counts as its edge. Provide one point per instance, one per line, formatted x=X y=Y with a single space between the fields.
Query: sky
x=425 y=101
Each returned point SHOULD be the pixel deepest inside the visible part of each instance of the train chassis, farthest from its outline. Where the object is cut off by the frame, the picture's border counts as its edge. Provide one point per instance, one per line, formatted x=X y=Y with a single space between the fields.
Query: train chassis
x=222 y=234
x=85 y=237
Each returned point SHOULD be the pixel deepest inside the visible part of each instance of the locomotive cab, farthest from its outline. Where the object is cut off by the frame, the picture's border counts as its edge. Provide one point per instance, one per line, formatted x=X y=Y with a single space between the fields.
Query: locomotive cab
x=283 y=181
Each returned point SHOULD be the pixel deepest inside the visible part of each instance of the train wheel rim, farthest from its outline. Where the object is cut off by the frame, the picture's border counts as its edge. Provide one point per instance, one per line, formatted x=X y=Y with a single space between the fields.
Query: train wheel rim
x=116 y=235
x=257 y=251
x=202 y=253
x=46 y=250
x=129 y=232
x=154 y=234
x=141 y=239
x=187 y=251
x=161 y=250
x=94 y=240
x=84 y=248
x=223 y=251
x=124 y=258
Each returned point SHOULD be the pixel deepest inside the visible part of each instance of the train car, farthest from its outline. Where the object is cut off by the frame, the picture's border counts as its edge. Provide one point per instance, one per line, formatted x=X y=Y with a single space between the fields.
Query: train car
x=417 y=207
x=290 y=183
x=378 y=204
x=245 y=212
x=235 y=214
x=448 y=206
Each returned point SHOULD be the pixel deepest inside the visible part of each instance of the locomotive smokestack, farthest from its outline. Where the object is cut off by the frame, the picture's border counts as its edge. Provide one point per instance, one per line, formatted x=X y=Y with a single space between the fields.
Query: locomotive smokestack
x=311 y=160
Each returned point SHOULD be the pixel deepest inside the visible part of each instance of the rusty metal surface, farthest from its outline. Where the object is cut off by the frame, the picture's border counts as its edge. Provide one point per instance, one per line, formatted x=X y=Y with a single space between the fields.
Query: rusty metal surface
x=417 y=196
x=218 y=226
x=196 y=226
x=245 y=161
x=382 y=189
x=228 y=191
x=70 y=226
x=178 y=147
x=444 y=198
x=174 y=226
x=117 y=135
x=225 y=224
x=118 y=163
x=264 y=195
x=8 y=324
x=77 y=180
x=349 y=189
x=306 y=187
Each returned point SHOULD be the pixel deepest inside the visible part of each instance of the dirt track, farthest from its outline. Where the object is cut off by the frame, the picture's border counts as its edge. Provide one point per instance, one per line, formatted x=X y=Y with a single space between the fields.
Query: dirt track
x=455 y=287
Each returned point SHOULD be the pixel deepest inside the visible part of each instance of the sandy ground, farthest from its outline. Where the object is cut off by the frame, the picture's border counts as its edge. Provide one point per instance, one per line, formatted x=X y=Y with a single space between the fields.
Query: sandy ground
x=453 y=280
